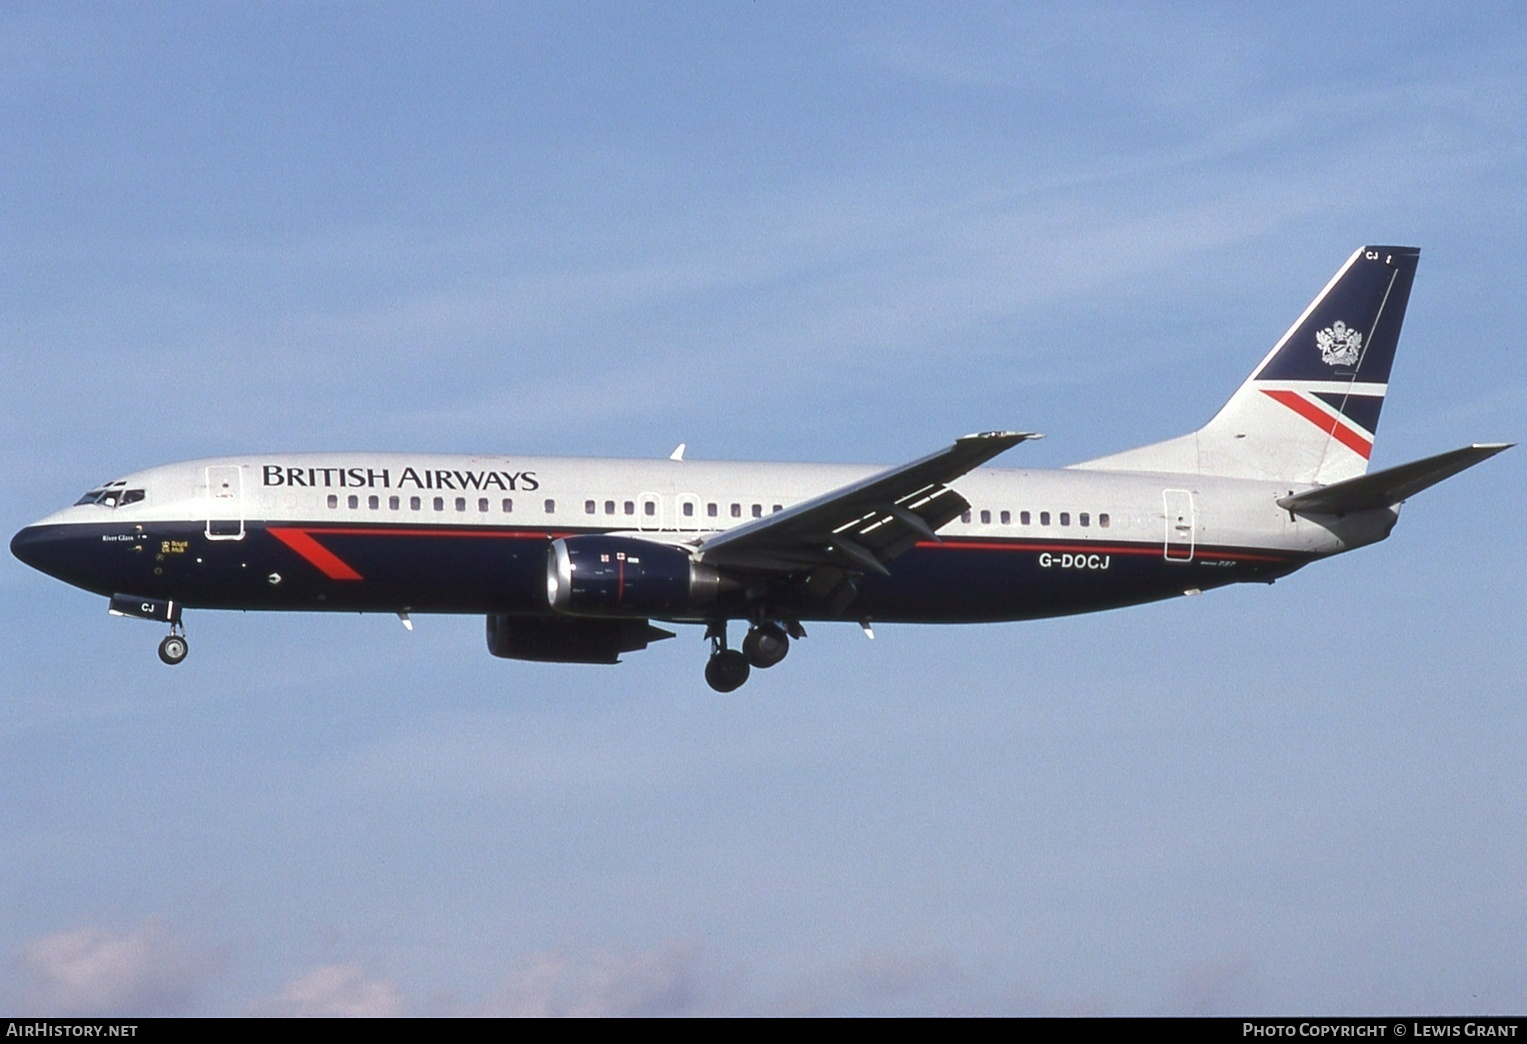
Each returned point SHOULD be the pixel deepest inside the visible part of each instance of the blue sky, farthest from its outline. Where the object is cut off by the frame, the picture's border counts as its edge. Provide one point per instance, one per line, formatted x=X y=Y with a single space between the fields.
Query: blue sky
x=770 y=231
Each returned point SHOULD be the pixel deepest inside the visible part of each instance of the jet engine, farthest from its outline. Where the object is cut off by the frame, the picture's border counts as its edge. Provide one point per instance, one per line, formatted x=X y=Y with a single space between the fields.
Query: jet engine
x=623 y=576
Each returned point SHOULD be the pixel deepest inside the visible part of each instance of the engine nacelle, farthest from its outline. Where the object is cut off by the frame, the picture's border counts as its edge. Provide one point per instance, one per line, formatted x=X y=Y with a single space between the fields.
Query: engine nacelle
x=557 y=640
x=623 y=576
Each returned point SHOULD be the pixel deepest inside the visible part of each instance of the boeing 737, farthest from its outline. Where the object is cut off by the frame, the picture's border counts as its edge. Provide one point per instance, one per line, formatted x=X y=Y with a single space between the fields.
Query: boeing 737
x=571 y=560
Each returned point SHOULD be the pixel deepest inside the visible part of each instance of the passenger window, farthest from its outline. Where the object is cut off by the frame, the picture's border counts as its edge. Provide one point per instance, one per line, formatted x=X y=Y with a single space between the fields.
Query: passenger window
x=508 y=505
x=551 y=507
x=649 y=508
x=1103 y=520
x=482 y=504
x=711 y=510
x=392 y=503
x=965 y=516
x=333 y=500
x=1007 y=518
x=630 y=507
x=758 y=511
x=373 y=502
x=779 y=507
x=1065 y=518
x=414 y=503
x=439 y=503
x=1084 y=519
x=353 y=500
x=609 y=507
x=588 y=507
x=736 y=510
x=1023 y=516
x=1044 y=518
x=461 y=503
x=689 y=509
x=985 y=517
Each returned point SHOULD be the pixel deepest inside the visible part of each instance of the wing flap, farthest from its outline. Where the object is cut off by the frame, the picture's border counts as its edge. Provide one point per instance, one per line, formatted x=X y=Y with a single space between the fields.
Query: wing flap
x=1382 y=489
x=864 y=524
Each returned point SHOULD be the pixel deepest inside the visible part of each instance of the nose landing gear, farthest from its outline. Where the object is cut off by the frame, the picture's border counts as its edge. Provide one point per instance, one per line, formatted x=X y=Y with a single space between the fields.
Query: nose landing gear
x=174 y=647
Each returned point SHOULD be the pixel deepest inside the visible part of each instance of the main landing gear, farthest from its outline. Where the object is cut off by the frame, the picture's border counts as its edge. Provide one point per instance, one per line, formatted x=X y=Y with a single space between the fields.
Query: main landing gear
x=726 y=670
x=174 y=648
x=764 y=645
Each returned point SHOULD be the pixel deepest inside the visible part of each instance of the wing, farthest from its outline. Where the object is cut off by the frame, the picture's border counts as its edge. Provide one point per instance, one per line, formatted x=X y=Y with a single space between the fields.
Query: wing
x=864 y=524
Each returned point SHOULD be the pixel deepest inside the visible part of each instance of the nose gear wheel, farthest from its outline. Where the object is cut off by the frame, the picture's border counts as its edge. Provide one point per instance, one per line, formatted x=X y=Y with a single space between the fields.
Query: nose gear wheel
x=173 y=649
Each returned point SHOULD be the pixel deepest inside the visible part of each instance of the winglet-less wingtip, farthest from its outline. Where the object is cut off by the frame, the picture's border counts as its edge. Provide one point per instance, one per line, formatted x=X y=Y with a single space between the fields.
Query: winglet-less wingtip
x=1011 y=437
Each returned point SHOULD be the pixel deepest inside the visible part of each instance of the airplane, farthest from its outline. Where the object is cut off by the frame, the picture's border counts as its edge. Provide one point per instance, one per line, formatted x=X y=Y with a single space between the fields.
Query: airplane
x=571 y=560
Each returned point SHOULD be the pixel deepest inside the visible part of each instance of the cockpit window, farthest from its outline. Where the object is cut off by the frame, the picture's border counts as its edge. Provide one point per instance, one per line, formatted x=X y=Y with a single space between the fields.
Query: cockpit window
x=111 y=496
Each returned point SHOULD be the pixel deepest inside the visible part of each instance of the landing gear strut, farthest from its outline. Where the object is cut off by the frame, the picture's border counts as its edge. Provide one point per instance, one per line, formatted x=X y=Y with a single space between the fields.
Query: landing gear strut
x=726 y=669
x=173 y=649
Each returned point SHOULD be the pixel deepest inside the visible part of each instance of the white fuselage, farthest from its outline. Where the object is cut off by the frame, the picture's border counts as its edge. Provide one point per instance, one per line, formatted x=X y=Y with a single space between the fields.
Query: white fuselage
x=677 y=500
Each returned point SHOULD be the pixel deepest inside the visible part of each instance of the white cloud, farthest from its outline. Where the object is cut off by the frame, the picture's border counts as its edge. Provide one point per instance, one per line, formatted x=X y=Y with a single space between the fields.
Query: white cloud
x=336 y=990
x=883 y=983
x=90 y=971
x=655 y=982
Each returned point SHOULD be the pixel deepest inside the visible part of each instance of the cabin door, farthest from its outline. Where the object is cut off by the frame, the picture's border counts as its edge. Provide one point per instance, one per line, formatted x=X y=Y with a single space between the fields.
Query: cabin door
x=1180 y=525
x=225 y=502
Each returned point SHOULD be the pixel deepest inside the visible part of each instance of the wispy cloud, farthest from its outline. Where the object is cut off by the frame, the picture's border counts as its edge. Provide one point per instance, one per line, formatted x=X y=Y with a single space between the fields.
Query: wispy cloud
x=882 y=983
x=662 y=982
x=92 y=971
x=335 y=991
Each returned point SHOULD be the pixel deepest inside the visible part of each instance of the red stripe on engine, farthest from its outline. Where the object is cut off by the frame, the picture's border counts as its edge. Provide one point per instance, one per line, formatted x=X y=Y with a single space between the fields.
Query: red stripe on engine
x=330 y=564
x=1332 y=426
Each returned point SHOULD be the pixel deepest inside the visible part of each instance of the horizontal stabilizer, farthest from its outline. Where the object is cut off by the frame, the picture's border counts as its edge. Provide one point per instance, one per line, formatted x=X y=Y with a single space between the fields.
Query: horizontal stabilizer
x=1383 y=489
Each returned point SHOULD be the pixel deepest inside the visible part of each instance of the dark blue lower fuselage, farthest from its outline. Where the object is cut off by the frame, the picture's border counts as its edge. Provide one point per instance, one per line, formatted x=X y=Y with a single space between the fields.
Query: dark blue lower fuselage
x=483 y=569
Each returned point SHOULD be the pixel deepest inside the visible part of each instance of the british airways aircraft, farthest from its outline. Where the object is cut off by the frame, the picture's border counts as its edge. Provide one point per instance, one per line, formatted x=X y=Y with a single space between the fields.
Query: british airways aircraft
x=570 y=560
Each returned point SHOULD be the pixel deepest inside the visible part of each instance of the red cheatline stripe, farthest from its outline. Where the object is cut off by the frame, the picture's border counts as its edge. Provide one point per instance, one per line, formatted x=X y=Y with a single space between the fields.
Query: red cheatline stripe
x=425 y=531
x=330 y=564
x=1332 y=426
x=1153 y=550
x=300 y=540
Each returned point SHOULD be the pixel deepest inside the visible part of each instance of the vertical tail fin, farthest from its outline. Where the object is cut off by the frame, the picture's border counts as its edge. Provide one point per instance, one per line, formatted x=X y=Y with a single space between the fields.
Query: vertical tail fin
x=1309 y=411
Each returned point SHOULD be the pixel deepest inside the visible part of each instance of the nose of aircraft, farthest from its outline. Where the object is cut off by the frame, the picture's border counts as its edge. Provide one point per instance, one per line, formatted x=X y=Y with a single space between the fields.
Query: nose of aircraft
x=26 y=545
x=44 y=548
